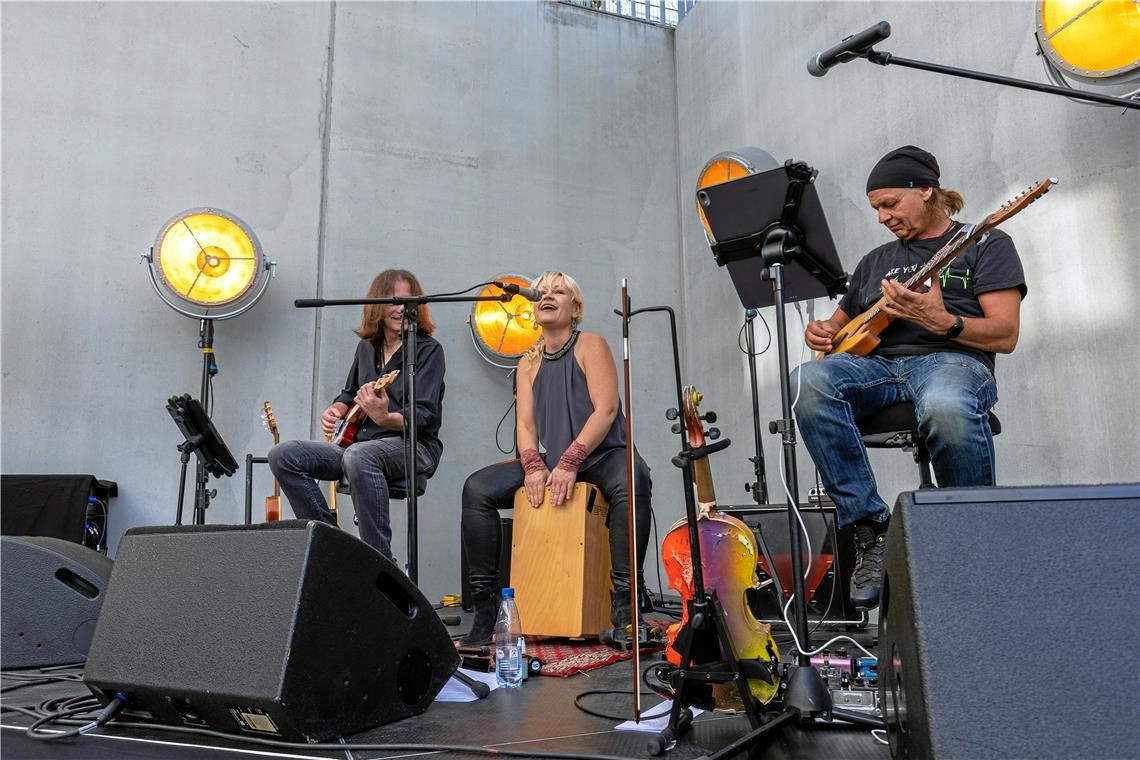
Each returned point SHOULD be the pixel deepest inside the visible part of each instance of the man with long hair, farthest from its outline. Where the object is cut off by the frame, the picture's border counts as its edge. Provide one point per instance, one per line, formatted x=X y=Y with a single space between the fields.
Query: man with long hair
x=376 y=456
x=938 y=353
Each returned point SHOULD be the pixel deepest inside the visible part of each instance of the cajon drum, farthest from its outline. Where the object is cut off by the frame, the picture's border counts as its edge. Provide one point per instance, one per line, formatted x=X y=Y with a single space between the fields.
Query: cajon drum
x=560 y=564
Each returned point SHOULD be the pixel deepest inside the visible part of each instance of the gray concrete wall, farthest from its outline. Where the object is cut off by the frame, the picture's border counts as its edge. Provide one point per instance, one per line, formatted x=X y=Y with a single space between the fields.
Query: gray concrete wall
x=464 y=140
x=1068 y=393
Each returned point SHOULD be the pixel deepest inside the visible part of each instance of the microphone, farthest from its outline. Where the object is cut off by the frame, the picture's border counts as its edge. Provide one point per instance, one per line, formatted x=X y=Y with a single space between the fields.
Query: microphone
x=855 y=46
x=530 y=294
x=308 y=303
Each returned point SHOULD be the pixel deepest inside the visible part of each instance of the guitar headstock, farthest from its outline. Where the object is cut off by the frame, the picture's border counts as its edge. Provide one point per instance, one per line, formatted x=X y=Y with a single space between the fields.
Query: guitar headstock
x=1014 y=205
x=385 y=380
x=270 y=420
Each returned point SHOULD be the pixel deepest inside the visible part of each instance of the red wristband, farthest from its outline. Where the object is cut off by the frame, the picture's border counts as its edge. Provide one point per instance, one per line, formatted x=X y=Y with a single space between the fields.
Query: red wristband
x=531 y=461
x=573 y=457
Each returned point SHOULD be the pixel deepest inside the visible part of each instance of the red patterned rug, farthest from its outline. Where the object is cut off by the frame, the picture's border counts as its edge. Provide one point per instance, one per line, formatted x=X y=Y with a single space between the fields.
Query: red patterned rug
x=565 y=657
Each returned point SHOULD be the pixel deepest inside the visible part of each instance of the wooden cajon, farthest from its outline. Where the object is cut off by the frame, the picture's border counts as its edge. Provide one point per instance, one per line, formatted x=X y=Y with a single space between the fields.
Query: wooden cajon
x=560 y=564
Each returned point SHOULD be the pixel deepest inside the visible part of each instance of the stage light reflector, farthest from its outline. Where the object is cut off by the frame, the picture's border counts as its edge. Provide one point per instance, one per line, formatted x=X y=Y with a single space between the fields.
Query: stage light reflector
x=730 y=165
x=206 y=263
x=1095 y=40
x=503 y=332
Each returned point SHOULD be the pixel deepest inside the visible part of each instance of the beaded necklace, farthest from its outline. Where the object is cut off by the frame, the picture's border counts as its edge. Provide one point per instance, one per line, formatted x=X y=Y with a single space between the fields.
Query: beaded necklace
x=562 y=351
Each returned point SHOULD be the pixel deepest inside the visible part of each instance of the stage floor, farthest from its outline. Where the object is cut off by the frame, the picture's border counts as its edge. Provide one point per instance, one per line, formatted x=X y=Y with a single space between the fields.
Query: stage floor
x=539 y=717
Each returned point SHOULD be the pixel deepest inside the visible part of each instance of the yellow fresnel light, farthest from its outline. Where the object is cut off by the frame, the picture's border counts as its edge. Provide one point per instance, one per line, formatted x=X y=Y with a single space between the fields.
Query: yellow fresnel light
x=503 y=332
x=207 y=264
x=1095 y=39
x=727 y=166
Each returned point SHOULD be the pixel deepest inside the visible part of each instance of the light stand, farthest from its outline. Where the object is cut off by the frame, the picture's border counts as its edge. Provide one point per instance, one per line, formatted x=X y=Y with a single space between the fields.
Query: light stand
x=206 y=264
x=411 y=306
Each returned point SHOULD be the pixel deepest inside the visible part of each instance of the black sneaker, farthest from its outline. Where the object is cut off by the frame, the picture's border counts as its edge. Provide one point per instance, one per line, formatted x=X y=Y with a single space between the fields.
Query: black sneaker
x=870 y=545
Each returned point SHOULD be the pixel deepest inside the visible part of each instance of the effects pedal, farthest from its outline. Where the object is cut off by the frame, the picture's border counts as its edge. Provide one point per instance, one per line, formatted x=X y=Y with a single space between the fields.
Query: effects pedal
x=621 y=639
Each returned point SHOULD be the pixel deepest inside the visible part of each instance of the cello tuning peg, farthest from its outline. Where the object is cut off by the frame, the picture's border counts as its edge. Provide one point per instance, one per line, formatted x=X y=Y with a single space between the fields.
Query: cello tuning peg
x=671 y=414
x=675 y=427
x=709 y=417
x=714 y=433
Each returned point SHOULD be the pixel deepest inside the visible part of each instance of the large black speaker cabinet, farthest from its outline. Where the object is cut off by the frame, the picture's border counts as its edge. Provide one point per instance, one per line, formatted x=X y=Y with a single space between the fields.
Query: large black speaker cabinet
x=1008 y=623
x=293 y=630
x=51 y=591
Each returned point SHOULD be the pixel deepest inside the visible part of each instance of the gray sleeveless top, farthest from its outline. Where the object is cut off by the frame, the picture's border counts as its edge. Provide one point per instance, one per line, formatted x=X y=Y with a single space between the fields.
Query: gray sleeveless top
x=561 y=407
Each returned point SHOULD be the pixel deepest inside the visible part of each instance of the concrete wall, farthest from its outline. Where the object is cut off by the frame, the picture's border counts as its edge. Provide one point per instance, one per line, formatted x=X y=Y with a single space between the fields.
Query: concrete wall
x=459 y=140
x=1068 y=393
x=467 y=139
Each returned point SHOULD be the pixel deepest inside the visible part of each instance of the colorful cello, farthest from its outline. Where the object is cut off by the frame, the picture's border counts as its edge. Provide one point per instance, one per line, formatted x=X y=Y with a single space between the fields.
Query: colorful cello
x=728 y=564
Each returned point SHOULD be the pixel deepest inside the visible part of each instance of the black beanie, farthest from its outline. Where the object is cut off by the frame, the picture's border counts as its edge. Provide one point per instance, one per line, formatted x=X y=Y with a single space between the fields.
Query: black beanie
x=907 y=166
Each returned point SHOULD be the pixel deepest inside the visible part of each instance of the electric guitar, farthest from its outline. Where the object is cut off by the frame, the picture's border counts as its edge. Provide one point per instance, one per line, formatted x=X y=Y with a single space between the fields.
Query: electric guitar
x=350 y=424
x=272 y=503
x=861 y=334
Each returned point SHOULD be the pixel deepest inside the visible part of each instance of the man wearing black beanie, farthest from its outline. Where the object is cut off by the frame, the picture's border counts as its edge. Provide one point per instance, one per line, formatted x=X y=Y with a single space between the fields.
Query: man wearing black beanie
x=938 y=352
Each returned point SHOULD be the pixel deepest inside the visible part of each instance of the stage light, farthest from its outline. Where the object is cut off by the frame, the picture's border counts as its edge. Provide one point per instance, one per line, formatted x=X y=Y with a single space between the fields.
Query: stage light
x=503 y=332
x=730 y=165
x=1096 y=41
x=207 y=264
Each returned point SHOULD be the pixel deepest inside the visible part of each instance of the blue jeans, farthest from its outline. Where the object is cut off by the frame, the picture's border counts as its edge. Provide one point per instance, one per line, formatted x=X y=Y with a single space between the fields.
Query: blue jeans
x=368 y=465
x=952 y=395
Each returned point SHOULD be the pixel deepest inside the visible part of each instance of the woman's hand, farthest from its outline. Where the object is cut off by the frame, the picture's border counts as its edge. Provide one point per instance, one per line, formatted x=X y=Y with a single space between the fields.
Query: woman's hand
x=561 y=483
x=535 y=483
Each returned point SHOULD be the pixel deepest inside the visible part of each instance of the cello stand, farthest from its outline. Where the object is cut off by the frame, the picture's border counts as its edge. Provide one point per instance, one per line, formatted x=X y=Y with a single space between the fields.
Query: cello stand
x=768 y=228
x=706 y=640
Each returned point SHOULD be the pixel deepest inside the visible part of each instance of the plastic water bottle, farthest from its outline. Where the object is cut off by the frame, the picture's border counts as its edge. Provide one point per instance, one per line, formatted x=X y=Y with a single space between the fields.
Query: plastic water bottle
x=510 y=645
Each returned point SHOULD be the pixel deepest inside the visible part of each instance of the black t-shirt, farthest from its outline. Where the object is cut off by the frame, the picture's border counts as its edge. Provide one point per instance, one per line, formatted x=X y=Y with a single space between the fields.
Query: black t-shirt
x=990 y=264
x=430 y=367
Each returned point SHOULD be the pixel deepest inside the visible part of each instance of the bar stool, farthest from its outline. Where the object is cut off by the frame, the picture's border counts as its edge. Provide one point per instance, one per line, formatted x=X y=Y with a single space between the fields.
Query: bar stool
x=397 y=490
x=896 y=427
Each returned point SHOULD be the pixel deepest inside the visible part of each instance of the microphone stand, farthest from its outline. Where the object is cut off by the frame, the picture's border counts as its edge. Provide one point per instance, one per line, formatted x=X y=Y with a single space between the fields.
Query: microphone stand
x=884 y=59
x=411 y=306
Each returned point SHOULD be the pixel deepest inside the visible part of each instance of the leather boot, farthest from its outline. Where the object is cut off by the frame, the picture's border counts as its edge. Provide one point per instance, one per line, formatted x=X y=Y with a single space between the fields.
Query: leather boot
x=486 y=603
x=620 y=614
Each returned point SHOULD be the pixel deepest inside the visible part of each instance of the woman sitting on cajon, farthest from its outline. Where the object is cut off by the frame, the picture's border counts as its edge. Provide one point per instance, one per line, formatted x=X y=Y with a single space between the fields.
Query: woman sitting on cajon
x=568 y=401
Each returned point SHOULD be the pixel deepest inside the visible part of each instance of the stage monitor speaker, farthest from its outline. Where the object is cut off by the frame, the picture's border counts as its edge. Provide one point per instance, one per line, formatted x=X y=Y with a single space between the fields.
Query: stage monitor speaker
x=51 y=593
x=1008 y=623
x=292 y=630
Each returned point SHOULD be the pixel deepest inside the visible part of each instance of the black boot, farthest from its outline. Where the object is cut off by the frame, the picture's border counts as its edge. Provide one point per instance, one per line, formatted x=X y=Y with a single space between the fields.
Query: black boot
x=486 y=611
x=870 y=546
x=620 y=614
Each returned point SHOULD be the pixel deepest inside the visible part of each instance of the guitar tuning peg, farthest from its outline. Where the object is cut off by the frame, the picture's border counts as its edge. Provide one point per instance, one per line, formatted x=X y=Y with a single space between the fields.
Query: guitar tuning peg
x=714 y=433
x=671 y=414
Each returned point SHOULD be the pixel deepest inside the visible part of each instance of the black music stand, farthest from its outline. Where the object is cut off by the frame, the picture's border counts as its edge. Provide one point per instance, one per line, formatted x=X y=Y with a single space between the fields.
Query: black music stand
x=769 y=229
x=202 y=438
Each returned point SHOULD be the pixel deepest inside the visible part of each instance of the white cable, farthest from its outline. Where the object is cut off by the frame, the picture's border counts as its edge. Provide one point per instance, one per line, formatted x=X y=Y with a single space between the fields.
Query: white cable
x=799 y=518
x=875 y=734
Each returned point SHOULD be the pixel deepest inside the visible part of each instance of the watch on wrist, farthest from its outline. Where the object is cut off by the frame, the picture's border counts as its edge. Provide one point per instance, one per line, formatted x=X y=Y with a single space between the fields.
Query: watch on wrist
x=956 y=330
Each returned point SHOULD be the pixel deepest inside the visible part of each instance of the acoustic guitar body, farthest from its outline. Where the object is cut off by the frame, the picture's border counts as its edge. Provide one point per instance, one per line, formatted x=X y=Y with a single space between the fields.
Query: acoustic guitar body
x=272 y=508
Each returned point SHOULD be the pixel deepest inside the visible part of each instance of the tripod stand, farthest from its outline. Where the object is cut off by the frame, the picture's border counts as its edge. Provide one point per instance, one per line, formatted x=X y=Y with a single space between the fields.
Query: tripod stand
x=769 y=229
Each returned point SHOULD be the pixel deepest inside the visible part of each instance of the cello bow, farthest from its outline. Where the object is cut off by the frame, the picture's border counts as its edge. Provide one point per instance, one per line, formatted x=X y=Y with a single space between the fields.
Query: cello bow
x=631 y=505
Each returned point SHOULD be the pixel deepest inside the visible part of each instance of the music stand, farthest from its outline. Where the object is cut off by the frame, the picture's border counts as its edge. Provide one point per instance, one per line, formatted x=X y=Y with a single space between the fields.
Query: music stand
x=770 y=231
x=202 y=438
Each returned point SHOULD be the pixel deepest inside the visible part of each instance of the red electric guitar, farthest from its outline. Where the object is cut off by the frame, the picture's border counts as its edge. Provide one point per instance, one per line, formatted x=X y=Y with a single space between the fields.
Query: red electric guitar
x=347 y=428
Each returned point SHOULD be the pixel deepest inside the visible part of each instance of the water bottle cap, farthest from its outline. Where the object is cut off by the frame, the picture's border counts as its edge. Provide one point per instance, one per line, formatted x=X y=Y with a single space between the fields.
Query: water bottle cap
x=508 y=593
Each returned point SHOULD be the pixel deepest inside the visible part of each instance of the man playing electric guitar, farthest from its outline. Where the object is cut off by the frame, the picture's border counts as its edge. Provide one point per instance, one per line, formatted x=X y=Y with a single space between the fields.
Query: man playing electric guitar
x=375 y=455
x=937 y=350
